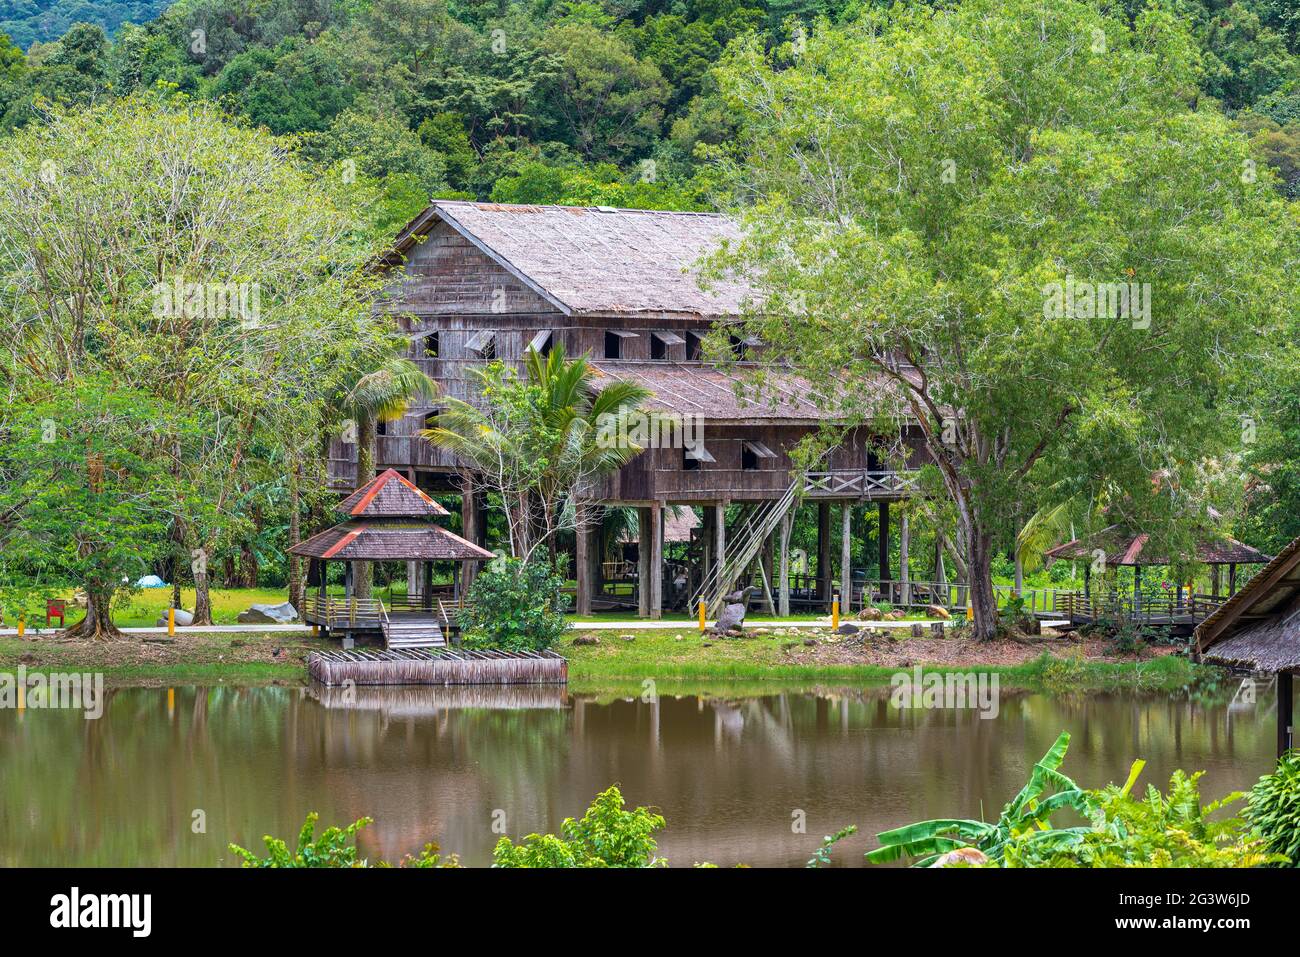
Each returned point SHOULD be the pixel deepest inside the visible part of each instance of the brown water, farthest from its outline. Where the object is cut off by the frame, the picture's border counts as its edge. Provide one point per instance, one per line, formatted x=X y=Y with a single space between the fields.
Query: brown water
x=730 y=774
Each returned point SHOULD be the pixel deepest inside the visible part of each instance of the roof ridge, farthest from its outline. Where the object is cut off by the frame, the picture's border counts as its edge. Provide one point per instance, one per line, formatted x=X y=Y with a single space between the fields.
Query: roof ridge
x=489 y=206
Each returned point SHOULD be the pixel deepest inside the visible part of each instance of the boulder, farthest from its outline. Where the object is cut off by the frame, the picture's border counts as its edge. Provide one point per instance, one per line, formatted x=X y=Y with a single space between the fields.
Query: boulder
x=268 y=615
x=731 y=619
x=740 y=597
x=893 y=616
x=587 y=639
x=870 y=613
x=936 y=611
x=847 y=629
x=183 y=617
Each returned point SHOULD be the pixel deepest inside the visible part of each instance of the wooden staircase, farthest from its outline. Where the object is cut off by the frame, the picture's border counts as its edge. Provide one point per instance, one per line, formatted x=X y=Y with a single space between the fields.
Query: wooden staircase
x=409 y=631
x=744 y=548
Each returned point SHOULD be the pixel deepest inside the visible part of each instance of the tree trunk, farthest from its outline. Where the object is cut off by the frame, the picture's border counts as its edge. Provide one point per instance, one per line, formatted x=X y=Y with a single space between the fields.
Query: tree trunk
x=202 y=597
x=979 y=562
x=98 y=623
x=297 y=588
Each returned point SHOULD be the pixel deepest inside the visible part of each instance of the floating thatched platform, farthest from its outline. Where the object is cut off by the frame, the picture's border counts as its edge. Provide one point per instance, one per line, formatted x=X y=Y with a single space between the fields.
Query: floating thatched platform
x=437 y=667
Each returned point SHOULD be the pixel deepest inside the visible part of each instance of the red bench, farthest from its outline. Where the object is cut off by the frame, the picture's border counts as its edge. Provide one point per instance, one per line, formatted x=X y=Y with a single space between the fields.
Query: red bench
x=54 y=608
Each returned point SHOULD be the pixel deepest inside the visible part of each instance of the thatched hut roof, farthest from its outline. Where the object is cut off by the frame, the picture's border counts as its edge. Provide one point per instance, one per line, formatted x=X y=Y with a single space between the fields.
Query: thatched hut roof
x=678 y=524
x=597 y=260
x=1124 y=546
x=390 y=495
x=1259 y=627
x=390 y=540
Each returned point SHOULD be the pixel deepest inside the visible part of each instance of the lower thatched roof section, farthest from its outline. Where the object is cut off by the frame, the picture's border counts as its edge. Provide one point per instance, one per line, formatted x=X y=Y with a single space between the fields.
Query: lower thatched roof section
x=719 y=395
x=1259 y=627
x=390 y=541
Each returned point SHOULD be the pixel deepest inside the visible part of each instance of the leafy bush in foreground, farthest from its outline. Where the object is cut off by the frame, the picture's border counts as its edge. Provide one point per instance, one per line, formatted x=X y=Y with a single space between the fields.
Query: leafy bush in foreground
x=606 y=836
x=1122 y=831
x=1274 y=809
x=334 y=848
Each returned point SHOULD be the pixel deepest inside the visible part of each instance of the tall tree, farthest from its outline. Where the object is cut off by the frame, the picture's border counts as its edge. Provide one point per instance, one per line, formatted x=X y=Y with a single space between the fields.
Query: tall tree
x=1012 y=218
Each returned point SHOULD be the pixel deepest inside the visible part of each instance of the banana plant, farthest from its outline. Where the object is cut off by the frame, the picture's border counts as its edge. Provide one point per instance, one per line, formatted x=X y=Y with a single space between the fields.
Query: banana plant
x=1023 y=819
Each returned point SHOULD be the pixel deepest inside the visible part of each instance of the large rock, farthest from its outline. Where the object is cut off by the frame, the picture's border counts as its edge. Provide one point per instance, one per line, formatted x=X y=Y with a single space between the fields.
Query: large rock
x=183 y=617
x=870 y=613
x=741 y=597
x=731 y=619
x=280 y=614
x=937 y=611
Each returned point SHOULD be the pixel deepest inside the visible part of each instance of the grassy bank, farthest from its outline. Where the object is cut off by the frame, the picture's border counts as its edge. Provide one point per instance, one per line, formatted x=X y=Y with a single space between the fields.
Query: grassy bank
x=626 y=658
x=633 y=656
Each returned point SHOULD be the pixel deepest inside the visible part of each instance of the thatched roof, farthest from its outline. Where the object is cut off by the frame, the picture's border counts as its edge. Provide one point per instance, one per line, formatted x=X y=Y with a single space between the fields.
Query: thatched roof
x=1259 y=627
x=678 y=524
x=1123 y=546
x=390 y=495
x=597 y=260
x=390 y=540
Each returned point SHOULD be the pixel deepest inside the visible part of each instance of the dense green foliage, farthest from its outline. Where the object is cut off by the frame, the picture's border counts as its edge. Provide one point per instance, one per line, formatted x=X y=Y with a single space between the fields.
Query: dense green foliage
x=606 y=836
x=334 y=848
x=515 y=606
x=1120 y=830
x=1274 y=808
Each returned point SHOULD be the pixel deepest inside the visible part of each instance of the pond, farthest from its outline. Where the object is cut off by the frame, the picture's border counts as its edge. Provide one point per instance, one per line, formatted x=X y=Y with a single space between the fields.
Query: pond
x=170 y=776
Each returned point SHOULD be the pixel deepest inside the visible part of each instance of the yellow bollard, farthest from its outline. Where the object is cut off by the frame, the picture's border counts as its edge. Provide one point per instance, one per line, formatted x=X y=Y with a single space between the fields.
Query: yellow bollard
x=315 y=631
x=970 y=611
x=702 y=610
x=171 y=622
x=835 y=612
x=22 y=626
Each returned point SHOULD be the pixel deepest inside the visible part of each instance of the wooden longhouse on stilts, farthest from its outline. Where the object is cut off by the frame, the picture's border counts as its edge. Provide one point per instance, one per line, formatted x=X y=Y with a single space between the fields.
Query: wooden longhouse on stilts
x=473 y=282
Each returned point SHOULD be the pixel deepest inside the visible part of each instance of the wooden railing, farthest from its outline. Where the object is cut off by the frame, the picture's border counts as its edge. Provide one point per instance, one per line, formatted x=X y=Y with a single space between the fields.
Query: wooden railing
x=861 y=483
x=343 y=613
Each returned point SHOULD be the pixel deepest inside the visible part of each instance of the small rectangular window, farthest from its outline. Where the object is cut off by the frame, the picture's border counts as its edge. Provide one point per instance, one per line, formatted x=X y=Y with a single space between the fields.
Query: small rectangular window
x=694 y=347
x=739 y=347
x=541 y=343
x=431 y=419
x=431 y=345
x=694 y=455
x=381 y=427
x=483 y=344
x=661 y=342
x=614 y=342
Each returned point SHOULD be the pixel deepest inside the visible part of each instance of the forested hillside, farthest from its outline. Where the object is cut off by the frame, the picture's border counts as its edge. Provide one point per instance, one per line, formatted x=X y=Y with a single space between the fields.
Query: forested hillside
x=40 y=21
x=575 y=102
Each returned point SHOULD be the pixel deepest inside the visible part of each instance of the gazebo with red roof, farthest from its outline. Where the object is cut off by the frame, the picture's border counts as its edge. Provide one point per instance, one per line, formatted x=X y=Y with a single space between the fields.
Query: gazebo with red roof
x=389 y=519
x=1121 y=546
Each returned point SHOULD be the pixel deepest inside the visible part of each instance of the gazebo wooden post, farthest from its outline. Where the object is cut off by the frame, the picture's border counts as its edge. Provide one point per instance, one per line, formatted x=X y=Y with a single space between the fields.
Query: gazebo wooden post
x=1137 y=589
x=882 y=551
x=1232 y=579
x=1087 y=580
x=1216 y=575
x=824 y=574
x=1285 y=712
x=426 y=585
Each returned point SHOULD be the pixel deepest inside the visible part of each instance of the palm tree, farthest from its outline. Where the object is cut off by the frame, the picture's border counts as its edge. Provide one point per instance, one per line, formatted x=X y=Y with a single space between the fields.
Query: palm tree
x=537 y=442
x=383 y=394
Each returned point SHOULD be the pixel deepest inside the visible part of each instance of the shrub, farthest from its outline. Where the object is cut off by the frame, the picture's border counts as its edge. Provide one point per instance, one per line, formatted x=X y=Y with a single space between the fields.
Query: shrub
x=515 y=606
x=1274 y=809
x=334 y=848
x=606 y=836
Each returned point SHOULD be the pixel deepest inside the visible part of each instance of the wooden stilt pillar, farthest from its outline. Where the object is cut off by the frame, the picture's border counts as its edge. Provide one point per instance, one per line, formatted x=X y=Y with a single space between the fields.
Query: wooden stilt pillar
x=824 y=574
x=882 y=542
x=656 y=606
x=904 y=544
x=846 y=557
x=767 y=561
x=783 y=570
x=1285 y=712
x=720 y=534
x=582 y=559
x=471 y=522
x=643 y=561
